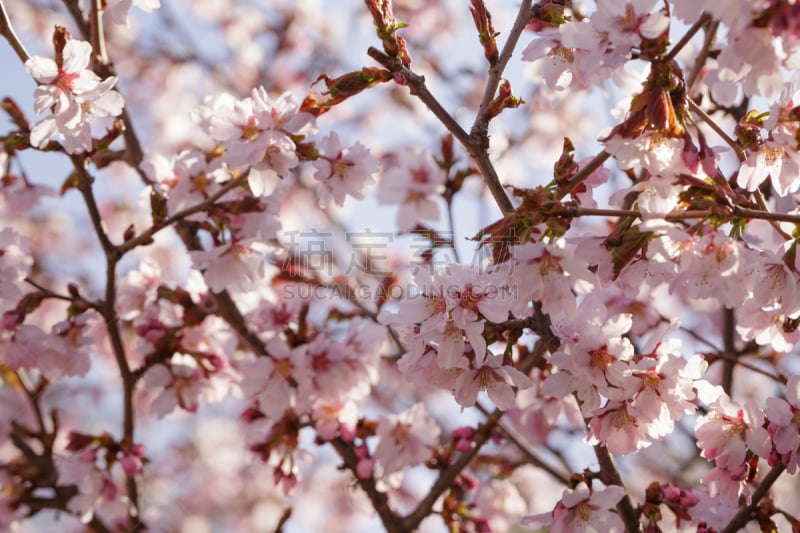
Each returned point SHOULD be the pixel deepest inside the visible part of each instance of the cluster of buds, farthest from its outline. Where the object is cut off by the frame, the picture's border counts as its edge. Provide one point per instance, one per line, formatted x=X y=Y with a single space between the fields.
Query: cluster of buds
x=393 y=44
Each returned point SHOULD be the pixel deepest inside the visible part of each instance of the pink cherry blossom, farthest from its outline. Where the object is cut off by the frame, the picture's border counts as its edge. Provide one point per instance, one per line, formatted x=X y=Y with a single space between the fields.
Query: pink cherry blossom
x=116 y=11
x=626 y=22
x=784 y=424
x=74 y=93
x=498 y=380
x=257 y=132
x=582 y=510
x=343 y=171
x=240 y=261
x=413 y=181
x=271 y=380
x=405 y=439
x=768 y=327
x=712 y=267
x=15 y=264
x=728 y=431
x=552 y=61
x=646 y=307
x=550 y=274
x=777 y=160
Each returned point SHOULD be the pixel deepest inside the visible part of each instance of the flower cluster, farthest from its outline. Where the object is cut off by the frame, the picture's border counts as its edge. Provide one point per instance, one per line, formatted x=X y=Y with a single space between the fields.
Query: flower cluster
x=199 y=283
x=74 y=94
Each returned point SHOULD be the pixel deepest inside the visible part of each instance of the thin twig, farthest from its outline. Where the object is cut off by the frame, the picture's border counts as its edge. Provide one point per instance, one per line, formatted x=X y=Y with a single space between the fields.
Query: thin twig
x=98 y=35
x=689 y=214
x=728 y=337
x=74 y=9
x=47 y=292
x=774 y=223
x=596 y=162
x=448 y=475
x=109 y=313
x=84 y=186
x=496 y=70
x=476 y=147
x=697 y=68
x=702 y=21
x=736 y=361
x=7 y=31
x=150 y=232
x=717 y=129
x=517 y=441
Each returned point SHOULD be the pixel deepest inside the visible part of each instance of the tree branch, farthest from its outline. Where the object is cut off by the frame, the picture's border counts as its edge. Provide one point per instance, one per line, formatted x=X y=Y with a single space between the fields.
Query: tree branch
x=380 y=501
x=728 y=336
x=702 y=21
x=745 y=513
x=482 y=436
x=526 y=451
x=109 y=313
x=7 y=31
x=149 y=233
x=610 y=476
x=596 y=162
x=717 y=129
x=481 y=123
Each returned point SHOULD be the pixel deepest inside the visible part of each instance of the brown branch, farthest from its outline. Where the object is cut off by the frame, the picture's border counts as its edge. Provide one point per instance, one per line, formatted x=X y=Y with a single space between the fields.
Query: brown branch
x=702 y=21
x=98 y=39
x=523 y=447
x=109 y=313
x=774 y=223
x=84 y=186
x=47 y=292
x=146 y=235
x=447 y=476
x=728 y=336
x=7 y=31
x=496 y=71
x=736 y=361
x=717 y=129
x=596 y=162
x=480 y=154
x=745 y=513
x=700 y=62
x=74 y=9
x=482 y=436
x=380 y=501
x=477 y=145
x=735 y=212
x=610 y=476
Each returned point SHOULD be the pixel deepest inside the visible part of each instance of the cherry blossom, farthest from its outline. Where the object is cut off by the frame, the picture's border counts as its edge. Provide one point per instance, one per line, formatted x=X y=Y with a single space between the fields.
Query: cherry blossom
x=587 y=284
x=405 y=439
x=626 y=22
x=497 y=379
x=15 y=264
x=783 y=424
x=343 y=171
x=117 y=10
x=411 y=180
x=582 y=510
x=74 y=93
x=270 y=380
x=728 y=431
x=257 y=131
